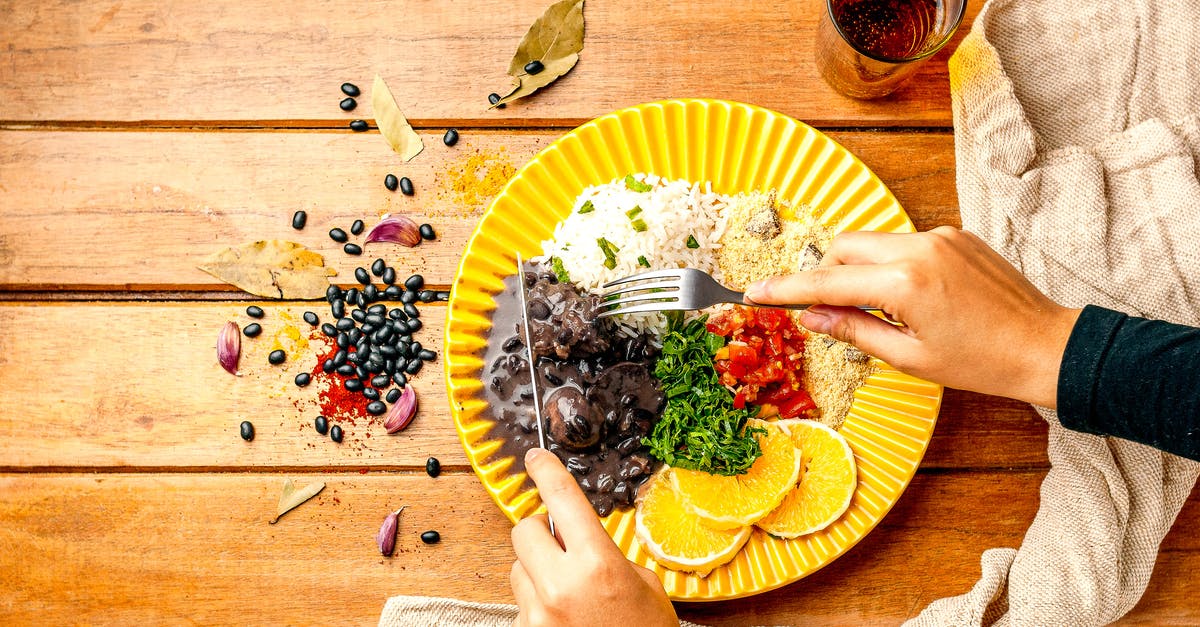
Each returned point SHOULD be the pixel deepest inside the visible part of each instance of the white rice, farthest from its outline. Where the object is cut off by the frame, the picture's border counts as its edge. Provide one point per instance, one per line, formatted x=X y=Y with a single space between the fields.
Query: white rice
x=672 y=211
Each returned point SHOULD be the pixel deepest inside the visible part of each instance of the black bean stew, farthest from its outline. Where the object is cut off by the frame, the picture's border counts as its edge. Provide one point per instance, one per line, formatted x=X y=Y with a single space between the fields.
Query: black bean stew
x=599 y=397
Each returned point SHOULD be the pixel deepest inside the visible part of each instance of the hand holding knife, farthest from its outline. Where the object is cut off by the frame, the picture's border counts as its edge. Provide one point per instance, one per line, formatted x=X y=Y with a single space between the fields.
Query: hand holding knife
x=537 y=399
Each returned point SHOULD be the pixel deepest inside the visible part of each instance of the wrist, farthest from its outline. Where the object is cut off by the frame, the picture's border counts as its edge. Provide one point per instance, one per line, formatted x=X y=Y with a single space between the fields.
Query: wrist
x=1044 y=359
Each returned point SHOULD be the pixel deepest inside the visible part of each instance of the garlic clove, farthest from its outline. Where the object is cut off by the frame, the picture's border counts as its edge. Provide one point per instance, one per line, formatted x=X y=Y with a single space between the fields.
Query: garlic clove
x=229 y=347
x=395 y=229
x=386 y=538
x=402 y=411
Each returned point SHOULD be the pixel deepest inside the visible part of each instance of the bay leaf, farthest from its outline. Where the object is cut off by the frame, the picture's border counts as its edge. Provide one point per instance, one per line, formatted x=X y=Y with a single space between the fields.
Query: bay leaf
x=391 y=122
x=555 y=39
x=291 y=498
x=272 y=269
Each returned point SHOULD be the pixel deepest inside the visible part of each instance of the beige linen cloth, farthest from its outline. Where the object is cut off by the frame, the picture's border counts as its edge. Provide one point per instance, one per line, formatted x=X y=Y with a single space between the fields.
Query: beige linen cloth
x=1078 y=145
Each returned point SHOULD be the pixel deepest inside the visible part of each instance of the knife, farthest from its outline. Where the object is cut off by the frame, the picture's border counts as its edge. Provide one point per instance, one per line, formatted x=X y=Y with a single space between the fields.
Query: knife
x=537 y=400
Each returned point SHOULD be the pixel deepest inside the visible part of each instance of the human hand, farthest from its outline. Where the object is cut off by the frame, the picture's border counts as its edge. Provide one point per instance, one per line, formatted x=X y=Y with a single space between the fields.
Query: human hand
x=585 y=580
x=971 y=321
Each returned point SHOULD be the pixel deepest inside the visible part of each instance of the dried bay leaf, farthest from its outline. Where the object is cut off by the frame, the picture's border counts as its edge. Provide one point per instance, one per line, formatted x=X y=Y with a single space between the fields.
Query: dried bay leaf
x=555 y=39
x=272 y=269
x=291 y=498
x=391 y=122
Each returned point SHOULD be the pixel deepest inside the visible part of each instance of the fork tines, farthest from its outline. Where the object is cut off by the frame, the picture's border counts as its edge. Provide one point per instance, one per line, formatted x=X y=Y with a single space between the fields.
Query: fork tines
x=650 y=291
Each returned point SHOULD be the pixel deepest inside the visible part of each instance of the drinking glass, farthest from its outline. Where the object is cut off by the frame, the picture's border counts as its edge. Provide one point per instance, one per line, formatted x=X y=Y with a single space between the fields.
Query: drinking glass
x=868 y=48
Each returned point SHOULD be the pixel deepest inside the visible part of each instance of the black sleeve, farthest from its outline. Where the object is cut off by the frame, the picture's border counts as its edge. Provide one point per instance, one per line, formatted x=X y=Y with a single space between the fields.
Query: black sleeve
x=1132 y=378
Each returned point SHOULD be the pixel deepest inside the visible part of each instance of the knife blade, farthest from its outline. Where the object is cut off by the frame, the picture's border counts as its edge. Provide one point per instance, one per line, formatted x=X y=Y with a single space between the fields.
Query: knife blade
x=537 y=399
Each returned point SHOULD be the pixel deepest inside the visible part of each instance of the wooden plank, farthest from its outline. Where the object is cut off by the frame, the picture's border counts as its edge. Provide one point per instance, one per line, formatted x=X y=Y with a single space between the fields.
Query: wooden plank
x=140 y=387
x=163 y=548
x=86 y=210
x=275 y=63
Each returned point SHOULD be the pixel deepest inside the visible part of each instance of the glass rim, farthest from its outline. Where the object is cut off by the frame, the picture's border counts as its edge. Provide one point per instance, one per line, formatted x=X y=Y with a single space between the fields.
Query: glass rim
x=924 y=55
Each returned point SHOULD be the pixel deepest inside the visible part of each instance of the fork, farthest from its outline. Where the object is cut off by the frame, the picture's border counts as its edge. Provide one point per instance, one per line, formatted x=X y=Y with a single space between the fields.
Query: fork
x=681 y=289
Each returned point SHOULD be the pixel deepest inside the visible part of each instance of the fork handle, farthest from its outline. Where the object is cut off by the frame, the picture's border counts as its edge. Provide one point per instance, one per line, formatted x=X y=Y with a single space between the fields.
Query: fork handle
x=739 y=298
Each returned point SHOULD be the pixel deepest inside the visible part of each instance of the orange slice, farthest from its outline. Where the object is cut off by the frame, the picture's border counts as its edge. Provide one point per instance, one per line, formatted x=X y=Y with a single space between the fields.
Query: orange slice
x=675 y=537
x=827 y=482
x=739 y=500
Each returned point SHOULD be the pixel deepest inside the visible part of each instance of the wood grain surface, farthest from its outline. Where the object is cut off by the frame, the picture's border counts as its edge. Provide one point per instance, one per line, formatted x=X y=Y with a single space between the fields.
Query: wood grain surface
x=230 y=63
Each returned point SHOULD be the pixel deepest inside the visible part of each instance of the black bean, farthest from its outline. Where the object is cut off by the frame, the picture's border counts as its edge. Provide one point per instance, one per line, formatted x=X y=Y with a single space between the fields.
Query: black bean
x=358 y=126
x=252 y=329
x=348 y=104
x=371 y=394
x=413 y=349
x=450 y=138
x=357 y=227
x=412 y=311
x=401 y=327
x=339 y=358
x=328 y=366
x=426 y=231
x=350 y=89
x=414 y=325
x=343 y=340
x=378 y=266
x=362 y=372
x=399 y=378
x=414 y=366
x=311 y=318
x=389 y=277
x=408 y=296
x=321 y=424
x=338 y=236
x=393 y=395
x=329 y=330
x=495 y=98
x=534 y=67
x=431 y=537
x=374 y=367
x=360 y=275
x=378 y=310
x=401 y=363
x=247 y=430
x=355 y=335
x=380 y=381
x=358 y=315
x=577 y=466
x=299 y=219
x=373 y=318
x=338 y=308
x=335 y=433
x=352 y=249
x=443 y=296
x=254 y=312
x=352 y=385
x=433 y=467
x=346 y=370
x=392 y=292
x=512 y=344
x=371 y=294
x=276 y=357
x=303 y=379
x=345 y=324
x=391 y=182
x=375 y=407
x=426 y=296
x=332 y=293
x=369 y=330
x=397 y=314
x=406 y=186
x=426 y=355
x=382 y=335
x=352 y=296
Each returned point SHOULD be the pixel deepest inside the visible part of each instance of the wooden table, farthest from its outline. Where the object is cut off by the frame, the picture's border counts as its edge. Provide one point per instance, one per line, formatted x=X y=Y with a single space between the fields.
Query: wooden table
x=138 y=137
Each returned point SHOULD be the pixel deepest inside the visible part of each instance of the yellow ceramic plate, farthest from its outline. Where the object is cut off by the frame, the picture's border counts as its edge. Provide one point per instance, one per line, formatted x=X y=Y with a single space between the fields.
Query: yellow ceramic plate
x=739 y=148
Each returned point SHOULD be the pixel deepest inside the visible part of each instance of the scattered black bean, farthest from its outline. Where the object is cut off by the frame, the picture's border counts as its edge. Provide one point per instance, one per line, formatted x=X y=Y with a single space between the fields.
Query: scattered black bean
x=247 y=430
x=431 y=537
x=371 y=294
x=372 y=319
x=311 y=318
x=399 y=378
x=352 y=296
x=362 y=372
x=414 y=366
x=321 y=424
x=350 y=89
x=391 y=182
x=375 y=407
x=360 y=274
x=357 y=227
x=433 y=467
x=392 y=292
x=371 y=394
x=252 y=329
x=406 y=186
x=355 y=336
x=338 y=236
x=339 y=358
x=345 y=324
x=378 y=266
x=443 y=296
x=358 y=315
x=346 y=370
x=276 y=357
x=254 y=312
x=338 y=308
x=408 y=296
x=381 y=381
x=353 y=385
x=329 y=330
x=426 y=355
x=412 y=311
x=400 y=326
x=450 y=138
x=393 y=395
x=414 y=325
x=299 y=219
x=389 y=277
x=335 y=433
x=426 y=231
x=333 y=293
x=328 y=366
x=427 y=296
x=348 y=104
x=534 y=67
x=378 y=310
x=303 y=379
x=352 y=249
x=358 y=126
x=494 y=98
x=397 y=314
x=414 y=348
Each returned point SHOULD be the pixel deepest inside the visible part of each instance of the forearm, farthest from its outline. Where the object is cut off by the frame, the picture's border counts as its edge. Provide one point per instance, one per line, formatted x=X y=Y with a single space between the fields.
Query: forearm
x=1132 y=378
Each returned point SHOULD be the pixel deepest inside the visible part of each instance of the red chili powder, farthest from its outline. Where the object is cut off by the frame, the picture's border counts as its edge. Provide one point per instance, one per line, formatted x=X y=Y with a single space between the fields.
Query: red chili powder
x=335 y=400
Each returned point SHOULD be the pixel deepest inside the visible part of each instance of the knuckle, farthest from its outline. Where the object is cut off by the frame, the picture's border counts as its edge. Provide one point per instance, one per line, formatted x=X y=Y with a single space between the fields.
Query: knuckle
x=845 y=329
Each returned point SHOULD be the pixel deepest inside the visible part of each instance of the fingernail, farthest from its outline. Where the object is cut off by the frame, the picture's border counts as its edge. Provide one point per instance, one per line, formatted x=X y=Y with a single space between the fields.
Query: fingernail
x=756 y=290
x=817 y=321
x=533 y=454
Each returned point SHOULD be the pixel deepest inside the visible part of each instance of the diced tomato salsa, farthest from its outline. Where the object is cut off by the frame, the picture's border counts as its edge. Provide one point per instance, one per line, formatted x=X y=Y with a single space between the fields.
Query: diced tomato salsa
x=762 y=360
